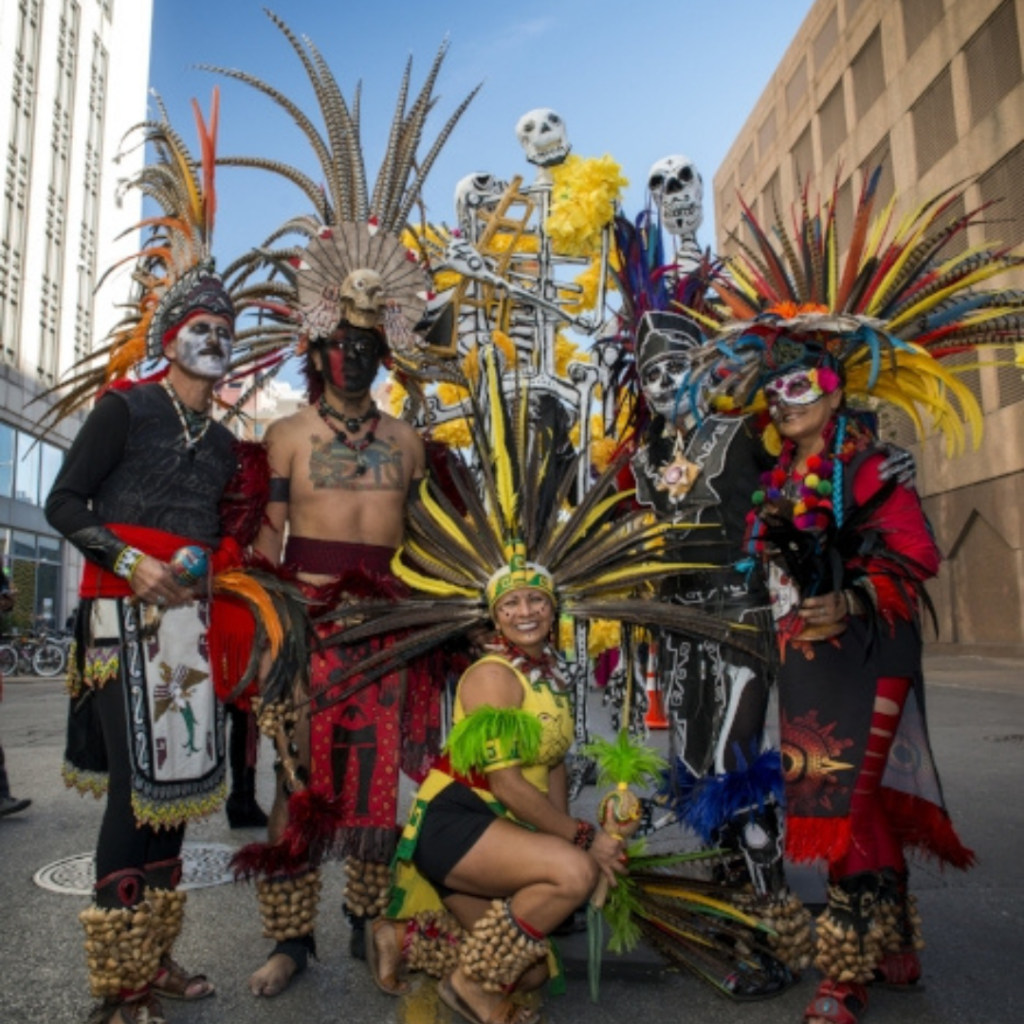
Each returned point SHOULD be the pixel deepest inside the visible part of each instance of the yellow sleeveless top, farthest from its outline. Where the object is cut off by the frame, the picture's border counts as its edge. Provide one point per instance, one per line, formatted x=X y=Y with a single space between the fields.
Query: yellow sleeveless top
x=551 y=707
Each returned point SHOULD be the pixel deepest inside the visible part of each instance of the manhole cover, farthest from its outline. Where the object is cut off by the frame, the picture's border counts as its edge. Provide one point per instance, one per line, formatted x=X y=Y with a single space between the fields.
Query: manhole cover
x=203 y=865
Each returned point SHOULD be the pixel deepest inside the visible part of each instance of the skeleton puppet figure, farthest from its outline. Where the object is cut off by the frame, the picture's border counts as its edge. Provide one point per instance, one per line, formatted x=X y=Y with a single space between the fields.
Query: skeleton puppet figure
x=677 y=190
x=473 y=193
x=542 y=134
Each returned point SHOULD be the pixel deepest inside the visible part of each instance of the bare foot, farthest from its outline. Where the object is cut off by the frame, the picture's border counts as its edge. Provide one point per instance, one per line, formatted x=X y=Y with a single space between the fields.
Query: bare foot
x=273 y=977
x=384 y=956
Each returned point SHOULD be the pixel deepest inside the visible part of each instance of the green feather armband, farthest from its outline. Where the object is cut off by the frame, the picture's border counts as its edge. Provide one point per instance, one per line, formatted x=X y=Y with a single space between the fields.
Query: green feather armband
x=492 y=738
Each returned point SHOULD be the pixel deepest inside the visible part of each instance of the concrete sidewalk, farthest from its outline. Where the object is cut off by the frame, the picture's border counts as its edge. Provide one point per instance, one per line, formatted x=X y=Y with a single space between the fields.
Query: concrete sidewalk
x=973 y=922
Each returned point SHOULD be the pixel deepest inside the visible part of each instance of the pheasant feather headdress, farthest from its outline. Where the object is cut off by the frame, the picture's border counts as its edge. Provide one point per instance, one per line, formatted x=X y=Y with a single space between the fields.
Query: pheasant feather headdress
x=353 y=266
x=886 y=319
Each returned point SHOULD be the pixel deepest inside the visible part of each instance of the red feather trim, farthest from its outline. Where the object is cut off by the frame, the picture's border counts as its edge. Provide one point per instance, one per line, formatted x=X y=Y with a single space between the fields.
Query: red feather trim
x=927 y=828
x=265 y=860
x=811 y=839
x=314 y=820
x=243 y=507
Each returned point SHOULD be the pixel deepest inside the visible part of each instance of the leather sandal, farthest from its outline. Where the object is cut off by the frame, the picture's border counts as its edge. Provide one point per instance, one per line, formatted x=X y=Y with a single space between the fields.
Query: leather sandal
x=506 y=1012
x=390 y=984
x=837 y=1002
x=174 y=982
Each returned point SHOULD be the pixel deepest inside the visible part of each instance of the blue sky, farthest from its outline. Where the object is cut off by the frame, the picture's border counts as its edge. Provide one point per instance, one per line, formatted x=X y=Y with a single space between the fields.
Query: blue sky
x=634 y=79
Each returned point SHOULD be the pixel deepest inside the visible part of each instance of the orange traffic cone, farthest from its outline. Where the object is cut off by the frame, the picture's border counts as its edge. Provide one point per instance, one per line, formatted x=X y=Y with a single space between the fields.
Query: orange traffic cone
x=655 y=717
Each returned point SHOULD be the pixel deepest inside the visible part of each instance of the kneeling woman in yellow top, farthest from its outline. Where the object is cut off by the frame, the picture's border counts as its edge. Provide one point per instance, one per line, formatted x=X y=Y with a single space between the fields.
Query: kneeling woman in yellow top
x=490 y=829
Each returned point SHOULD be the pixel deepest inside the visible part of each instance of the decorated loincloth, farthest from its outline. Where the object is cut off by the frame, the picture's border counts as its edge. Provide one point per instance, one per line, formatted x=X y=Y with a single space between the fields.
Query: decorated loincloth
x=361 y=742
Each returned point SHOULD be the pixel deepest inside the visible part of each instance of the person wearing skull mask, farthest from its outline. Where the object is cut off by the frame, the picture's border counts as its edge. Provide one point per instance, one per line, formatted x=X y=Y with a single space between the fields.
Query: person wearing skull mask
x=341 y=473
x=695 y=466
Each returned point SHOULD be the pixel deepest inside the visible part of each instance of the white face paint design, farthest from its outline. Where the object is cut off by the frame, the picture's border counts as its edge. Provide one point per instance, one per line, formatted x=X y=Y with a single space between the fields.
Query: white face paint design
x=203 y=346
x=661 y=380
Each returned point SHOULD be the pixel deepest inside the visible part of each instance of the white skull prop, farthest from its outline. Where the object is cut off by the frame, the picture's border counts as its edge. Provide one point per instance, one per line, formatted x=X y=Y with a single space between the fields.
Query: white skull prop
x=473 y=192
x=542 y=134
x=362 y=298
x=677 y=189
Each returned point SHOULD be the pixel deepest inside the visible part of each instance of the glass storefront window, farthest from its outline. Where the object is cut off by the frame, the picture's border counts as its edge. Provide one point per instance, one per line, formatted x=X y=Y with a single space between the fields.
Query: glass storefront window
x=50 y=459
x=6 y=460
x=26 y=469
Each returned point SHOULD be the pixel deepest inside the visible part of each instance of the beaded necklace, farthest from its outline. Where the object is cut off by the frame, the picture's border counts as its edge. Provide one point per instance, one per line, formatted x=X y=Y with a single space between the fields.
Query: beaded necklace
x=352 y=424
x=547 y=666
x=194 y=425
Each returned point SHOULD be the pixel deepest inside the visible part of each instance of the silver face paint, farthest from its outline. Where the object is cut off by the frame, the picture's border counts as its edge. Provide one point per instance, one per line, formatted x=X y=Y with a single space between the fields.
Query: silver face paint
x=203 y=347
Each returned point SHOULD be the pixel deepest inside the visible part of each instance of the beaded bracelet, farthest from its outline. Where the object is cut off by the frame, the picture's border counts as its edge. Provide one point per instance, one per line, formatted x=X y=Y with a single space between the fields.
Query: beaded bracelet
x=127 y=562
x=585 y=833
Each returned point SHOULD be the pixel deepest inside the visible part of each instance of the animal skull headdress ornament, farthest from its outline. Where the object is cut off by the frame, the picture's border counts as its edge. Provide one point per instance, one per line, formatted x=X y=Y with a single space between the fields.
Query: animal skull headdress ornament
x=368 y=278
x=543 y=136
x=677 y=189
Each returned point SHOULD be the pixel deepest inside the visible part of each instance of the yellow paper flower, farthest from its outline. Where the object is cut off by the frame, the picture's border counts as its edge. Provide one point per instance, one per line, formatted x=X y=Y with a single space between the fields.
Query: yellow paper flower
x=583 y=199
x=451 y=394
x=396 y=395
x=454 y=433
x=604 y=635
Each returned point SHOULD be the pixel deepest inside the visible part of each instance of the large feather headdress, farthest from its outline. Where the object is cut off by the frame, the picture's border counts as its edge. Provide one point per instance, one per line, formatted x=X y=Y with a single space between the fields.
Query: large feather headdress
x=887 y=318
x=354 y=265
x=506 y=522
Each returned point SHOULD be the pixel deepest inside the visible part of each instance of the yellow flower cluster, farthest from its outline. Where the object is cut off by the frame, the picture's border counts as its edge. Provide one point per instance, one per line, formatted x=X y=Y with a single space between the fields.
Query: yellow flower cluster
x=583 y=199
x=604 y=635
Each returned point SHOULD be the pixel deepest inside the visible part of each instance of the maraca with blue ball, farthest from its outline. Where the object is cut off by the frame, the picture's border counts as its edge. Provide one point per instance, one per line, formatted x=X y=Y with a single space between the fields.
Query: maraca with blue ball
x=189 y=565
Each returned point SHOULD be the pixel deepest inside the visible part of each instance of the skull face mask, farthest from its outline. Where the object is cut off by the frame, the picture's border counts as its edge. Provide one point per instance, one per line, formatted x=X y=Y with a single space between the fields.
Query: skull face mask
x=678 y=191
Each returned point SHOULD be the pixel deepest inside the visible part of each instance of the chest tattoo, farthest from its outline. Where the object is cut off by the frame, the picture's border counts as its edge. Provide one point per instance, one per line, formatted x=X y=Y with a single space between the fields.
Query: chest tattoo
x=334 y=465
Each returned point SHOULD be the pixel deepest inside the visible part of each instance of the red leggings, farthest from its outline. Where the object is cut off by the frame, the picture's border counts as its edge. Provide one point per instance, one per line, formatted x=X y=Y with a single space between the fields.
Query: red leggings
x=872 y=844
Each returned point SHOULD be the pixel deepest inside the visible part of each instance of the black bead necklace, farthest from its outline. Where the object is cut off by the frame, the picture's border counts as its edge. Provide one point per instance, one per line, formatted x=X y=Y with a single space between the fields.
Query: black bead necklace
x=352 y=424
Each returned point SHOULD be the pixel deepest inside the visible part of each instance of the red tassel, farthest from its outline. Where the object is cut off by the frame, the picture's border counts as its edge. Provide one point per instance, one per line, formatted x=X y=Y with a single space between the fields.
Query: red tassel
x=811 y=839
x=927 y=828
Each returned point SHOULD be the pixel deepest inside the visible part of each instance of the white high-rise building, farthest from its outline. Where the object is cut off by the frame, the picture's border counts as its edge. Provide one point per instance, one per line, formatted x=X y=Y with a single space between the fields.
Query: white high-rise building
x=76 y=74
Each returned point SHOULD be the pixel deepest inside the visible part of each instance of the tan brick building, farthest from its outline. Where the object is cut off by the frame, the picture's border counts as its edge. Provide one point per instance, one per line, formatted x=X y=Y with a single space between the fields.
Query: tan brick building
x=934 y=91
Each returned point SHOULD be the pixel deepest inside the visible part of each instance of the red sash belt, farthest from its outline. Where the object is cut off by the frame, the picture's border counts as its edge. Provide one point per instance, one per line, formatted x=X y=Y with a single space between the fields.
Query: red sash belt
x=100 y=582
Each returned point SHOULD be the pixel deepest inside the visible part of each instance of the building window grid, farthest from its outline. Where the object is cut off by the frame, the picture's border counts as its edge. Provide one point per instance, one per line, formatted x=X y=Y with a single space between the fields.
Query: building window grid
x=868 y=69
x=766 y=134
x=14 y=229
x=1010 y=375
x=84 y=316
x=992 y=57
x=56 y=205
x=796 y=87
x=825 y=40
x=919 y=18
x=832 y=122
x=934 y=122
x=803 y=158
x=1003 y=185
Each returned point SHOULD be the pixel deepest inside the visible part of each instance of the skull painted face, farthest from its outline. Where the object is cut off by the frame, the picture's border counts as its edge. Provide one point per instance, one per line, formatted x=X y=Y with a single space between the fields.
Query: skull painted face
x=202 y=347
x=678 y=191
x=362 y=297
x=350 y=358
x=473 y=192
x=542 y=134
x=662 y=381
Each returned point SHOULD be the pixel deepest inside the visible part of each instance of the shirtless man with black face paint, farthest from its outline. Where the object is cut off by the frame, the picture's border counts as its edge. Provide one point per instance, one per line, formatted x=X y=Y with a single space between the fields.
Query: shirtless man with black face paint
x=341 y=473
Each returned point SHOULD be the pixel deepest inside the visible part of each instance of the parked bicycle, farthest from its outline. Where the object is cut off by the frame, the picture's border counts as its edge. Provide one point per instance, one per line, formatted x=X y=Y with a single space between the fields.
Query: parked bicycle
x=27 y=654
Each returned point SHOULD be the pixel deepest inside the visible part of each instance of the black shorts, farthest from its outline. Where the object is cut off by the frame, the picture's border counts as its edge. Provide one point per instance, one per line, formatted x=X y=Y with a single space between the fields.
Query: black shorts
x=454 y=820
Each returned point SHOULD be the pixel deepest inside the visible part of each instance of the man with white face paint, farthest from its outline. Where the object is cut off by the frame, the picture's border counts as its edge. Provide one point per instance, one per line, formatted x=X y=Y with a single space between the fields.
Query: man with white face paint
x=143 y=480
x=695 y=466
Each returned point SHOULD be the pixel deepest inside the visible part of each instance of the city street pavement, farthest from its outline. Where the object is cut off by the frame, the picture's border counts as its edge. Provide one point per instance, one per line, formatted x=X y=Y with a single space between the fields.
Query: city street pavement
x=973 y=923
